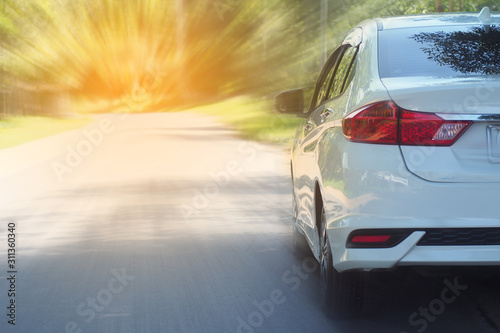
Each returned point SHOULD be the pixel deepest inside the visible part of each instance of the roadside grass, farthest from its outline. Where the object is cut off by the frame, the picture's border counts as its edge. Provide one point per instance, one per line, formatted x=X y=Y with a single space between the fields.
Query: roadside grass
x=254 y=119
x=16 y=130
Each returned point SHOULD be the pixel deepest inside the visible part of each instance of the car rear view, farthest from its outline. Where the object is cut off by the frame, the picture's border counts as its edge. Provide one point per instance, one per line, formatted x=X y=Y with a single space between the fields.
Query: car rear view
x=398 y=161
x=443 y=111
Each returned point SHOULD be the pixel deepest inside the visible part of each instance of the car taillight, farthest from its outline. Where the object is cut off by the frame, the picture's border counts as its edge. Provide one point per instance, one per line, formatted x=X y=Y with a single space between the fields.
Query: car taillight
x=418 y=128
x=386 y=123
x=375 y=123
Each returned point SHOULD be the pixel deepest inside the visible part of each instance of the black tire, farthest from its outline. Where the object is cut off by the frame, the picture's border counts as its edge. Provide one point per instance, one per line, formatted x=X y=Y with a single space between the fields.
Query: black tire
x=342 y=293
x=301 y=248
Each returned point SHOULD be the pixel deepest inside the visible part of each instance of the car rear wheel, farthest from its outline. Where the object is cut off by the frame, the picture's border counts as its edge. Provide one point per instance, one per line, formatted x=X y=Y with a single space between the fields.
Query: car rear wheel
x=300 y=245
x=342 y=293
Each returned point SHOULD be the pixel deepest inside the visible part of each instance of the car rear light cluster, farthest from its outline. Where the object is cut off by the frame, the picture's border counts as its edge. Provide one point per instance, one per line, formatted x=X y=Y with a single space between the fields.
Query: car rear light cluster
x=386 y=123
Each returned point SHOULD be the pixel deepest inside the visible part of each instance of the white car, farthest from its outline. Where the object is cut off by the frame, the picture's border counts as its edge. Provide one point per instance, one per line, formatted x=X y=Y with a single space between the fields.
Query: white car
x=398 y=160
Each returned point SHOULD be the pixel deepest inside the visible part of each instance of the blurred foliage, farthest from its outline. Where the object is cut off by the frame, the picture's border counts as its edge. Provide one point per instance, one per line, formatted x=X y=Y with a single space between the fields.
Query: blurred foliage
x=17 y=130
x=152 y=54
x=253 y=121
x=466 y=52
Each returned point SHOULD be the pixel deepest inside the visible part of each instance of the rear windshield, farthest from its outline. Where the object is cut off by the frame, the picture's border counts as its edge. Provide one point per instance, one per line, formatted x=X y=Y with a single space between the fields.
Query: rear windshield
x=439 y=51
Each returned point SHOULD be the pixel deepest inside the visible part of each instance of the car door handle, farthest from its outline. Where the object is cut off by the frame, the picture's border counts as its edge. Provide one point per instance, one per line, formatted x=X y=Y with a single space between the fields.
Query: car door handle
x=326 y=113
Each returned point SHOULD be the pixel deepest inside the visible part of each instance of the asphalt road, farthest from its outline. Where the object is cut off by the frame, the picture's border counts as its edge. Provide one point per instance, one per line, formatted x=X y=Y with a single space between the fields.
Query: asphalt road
x=170 y=223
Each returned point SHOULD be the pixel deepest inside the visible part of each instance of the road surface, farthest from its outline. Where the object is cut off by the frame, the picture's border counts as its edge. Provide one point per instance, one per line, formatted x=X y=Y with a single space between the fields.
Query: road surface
x=170 y=223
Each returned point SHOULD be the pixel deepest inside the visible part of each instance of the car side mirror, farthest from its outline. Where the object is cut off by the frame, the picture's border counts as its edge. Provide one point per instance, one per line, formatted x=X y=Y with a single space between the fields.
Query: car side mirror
x=291 y=102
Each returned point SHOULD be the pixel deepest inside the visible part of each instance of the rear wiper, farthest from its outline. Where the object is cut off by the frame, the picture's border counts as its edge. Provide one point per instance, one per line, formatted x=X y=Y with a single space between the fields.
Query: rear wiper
x=485 y=18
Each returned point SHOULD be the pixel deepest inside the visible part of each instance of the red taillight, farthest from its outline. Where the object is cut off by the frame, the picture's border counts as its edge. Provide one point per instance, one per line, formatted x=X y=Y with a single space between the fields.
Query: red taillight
x=385 y=123
x=418 y=128
x=370 y=239
x=375 y=123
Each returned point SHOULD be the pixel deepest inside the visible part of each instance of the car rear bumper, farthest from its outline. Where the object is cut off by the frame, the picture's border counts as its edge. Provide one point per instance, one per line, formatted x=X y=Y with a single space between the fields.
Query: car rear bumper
x=408 y=252
x=371 y=188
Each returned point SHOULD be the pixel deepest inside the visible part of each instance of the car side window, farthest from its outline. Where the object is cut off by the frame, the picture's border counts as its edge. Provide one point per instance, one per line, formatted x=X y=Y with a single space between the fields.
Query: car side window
x=324 y=82
x=325 y=87
x=344 y=74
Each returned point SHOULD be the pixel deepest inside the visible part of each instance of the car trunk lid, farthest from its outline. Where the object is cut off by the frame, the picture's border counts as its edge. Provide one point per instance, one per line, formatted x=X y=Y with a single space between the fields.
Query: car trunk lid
x=475 y=156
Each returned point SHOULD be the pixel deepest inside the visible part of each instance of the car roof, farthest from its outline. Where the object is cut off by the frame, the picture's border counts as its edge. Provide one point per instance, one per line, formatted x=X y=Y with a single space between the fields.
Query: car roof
x=429 y=20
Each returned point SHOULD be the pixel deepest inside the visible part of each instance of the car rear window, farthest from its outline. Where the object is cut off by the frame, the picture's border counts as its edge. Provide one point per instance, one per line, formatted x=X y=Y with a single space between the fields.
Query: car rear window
x=439 y=51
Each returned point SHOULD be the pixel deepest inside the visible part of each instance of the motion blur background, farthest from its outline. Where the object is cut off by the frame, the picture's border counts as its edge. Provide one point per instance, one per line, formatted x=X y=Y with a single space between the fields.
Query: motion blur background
x=62 y=56
x=197 y=216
